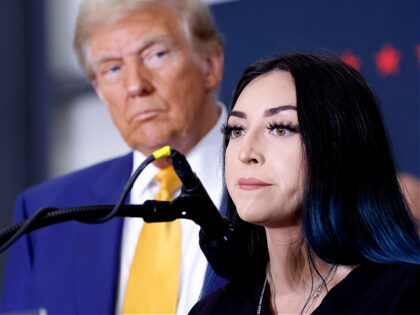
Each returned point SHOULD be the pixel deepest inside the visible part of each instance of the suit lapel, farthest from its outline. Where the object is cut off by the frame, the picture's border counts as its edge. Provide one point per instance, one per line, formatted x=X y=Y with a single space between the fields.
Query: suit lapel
x=96 y=251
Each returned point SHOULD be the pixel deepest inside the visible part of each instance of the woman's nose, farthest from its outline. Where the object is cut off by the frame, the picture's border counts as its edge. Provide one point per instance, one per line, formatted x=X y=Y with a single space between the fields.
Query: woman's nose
x=250 y=151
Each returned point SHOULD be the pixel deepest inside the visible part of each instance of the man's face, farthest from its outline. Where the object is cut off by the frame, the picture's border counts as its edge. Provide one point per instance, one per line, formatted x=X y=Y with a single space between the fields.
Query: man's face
x=158 y=89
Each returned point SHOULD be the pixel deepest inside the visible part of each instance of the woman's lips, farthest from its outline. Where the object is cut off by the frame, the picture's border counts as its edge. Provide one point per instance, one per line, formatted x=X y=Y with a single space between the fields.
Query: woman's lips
x=251 y=184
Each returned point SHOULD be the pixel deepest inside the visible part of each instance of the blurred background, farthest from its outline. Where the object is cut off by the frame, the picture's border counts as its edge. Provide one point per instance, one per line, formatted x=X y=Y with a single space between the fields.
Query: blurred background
x=51 y=122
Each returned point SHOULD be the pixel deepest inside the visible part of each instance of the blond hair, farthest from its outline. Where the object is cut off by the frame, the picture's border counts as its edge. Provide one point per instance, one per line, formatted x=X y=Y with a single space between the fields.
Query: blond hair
x=93 y=14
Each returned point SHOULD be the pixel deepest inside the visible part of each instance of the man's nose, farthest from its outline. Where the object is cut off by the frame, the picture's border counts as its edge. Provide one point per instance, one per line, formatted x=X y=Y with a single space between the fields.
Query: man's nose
x=137 y=79
x=250 y=151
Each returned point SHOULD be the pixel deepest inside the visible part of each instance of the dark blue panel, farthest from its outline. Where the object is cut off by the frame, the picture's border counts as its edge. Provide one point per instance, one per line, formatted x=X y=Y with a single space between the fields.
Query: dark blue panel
x=255 y=28
x=23 y=117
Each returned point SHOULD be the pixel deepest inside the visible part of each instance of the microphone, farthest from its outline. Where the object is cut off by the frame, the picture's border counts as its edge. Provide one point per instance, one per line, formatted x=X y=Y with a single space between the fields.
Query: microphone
x=218 y=239
x=220 y=244
x=197 y=203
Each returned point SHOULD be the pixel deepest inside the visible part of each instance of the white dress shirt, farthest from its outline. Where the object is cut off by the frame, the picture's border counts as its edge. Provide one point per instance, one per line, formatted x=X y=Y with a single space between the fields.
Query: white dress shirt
x=206 y=161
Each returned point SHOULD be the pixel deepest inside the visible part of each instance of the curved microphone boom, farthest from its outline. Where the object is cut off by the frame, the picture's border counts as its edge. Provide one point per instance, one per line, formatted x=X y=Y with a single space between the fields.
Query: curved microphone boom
x=193 y=203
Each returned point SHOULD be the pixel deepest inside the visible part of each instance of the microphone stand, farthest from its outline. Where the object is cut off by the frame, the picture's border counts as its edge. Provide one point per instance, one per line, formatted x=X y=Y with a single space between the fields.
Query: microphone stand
x=193 y=203
x=218 y=241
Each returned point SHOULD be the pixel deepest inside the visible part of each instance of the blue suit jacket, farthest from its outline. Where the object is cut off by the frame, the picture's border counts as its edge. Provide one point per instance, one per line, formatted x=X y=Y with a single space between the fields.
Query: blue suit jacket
x=71 y=267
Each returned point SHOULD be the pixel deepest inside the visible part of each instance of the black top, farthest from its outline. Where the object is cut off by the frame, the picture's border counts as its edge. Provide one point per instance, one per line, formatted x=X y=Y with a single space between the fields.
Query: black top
x=368 y=289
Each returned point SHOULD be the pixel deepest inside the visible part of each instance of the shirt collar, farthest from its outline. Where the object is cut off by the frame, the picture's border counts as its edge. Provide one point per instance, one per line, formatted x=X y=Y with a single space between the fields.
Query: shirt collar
x=211 y=144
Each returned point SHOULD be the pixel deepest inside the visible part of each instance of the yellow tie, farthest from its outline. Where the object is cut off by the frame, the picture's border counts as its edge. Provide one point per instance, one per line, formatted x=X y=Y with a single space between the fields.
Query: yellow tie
x=152 y=286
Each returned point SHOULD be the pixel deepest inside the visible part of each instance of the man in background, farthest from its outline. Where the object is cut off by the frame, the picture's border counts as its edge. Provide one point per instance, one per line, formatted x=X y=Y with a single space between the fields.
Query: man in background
x=156 y=65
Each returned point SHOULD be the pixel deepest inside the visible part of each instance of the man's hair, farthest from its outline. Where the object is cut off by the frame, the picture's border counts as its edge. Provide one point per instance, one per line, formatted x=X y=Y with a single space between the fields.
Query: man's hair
x=195 y=18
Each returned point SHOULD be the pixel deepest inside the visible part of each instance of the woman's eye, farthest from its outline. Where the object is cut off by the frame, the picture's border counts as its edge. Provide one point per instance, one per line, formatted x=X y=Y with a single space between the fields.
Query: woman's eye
x=281 y=131
x=235 y=133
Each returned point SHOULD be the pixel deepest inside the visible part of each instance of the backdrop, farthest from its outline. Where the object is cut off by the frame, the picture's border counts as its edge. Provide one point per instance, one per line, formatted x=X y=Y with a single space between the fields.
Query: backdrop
x=379 y=38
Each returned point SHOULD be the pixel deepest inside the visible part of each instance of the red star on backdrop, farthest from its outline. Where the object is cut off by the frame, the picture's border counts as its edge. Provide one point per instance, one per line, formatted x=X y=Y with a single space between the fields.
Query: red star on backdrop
x=351 y=59
x=417 y=52
x=388 y=60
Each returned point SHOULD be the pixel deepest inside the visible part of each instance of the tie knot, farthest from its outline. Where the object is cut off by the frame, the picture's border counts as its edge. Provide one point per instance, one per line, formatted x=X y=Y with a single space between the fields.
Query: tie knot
x=169 y=183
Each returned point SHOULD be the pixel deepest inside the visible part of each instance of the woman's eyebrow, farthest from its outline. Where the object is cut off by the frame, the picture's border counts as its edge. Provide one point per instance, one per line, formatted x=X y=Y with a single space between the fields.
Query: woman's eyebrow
x=267 y=112
x=238 y=114
x=278 y=109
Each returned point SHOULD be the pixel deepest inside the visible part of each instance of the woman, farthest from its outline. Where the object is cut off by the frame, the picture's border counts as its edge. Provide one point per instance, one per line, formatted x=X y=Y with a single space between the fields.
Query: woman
x=314 y=195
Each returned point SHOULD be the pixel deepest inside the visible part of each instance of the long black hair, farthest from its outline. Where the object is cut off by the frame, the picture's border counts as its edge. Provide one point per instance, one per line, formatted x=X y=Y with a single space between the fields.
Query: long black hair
x=353 y=210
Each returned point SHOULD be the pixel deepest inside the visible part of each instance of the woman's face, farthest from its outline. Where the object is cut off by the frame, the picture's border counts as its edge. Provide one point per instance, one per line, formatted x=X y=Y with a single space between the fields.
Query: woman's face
x=264 y=161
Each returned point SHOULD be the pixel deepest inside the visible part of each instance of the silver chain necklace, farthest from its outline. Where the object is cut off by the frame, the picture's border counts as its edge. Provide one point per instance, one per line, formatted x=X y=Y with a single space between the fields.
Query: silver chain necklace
x=313 y=296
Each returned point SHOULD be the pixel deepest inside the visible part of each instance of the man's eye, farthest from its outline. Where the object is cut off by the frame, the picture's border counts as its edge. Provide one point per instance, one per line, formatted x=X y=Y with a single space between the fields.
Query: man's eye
x=155 y=59
x=160 y=54
x=110 y=73
x=114 y=69
x=107 y=70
